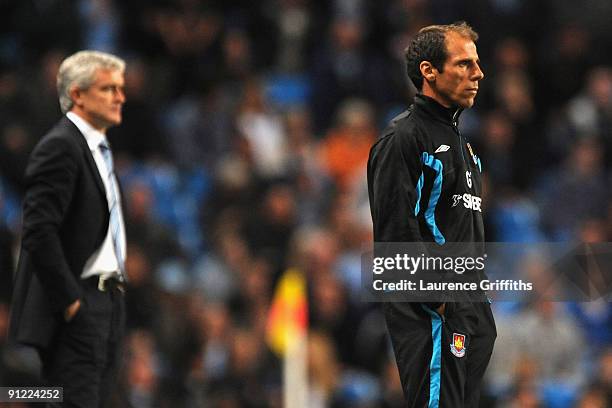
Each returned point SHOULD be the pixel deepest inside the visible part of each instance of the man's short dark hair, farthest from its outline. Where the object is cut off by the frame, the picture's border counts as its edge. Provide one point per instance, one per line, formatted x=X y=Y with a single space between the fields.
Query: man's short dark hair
x=429 y=45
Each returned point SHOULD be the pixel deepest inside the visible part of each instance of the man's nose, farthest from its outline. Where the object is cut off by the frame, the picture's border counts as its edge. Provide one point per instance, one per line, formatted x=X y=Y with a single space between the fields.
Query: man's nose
x=478 y=74
x=120 y=95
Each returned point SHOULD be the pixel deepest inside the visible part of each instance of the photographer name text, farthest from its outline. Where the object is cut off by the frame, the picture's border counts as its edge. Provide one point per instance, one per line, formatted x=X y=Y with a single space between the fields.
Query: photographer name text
x=486 y=285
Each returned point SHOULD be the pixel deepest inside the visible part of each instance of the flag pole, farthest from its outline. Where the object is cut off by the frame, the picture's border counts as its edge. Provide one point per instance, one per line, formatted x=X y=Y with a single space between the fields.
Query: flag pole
x=295 y=375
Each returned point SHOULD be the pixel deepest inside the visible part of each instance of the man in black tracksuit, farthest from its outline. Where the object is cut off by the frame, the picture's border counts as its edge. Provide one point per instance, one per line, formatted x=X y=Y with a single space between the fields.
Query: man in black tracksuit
x=424 y=183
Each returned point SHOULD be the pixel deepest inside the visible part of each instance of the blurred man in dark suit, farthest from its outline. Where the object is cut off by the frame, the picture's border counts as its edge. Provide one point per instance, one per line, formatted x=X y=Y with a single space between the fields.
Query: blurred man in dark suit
x=68 y=290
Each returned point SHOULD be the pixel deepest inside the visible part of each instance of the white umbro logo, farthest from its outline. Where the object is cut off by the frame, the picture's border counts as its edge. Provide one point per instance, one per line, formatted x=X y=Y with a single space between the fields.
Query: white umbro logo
x=442 y=148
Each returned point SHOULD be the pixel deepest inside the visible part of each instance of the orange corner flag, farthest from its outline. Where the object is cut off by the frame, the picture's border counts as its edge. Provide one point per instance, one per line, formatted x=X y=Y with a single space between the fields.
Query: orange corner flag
x=288 y=317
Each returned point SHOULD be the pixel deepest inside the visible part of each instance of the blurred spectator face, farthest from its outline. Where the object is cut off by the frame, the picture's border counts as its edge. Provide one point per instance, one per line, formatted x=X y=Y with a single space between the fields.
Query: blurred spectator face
x=255 y=292
x=526 y=372
x=345 y=150
x=141 y=374
x=236 y=45
x=135 y=79
x=3 y=322
x=457 y=84
x=605 y=368
x=525 y=397
x=187 y=29
x=499 y=133
x=347 y=34
x=140 y=201
x=233 y=173
x=234 y=250
x=511 y=54
x=8 y=85
x=535 y=270
x=600 y=87
x=356 y=119
x=325 y=252
x=253 y=99
x=344 y=221
x=137 y=266
x=316 y=251
x=280 y=204
x=329 y=299
x=15 y=139
x=546 y=309
x=298 y=126
x=256 y=280
x=593 y=399
x=237 y=51
x=322 y=363
x=215 y=321
x=592 y=231
x=50 y=66
x=246 y=351
x=573 y=41
x=141 y=370
x=515 y=94
x=586 y=157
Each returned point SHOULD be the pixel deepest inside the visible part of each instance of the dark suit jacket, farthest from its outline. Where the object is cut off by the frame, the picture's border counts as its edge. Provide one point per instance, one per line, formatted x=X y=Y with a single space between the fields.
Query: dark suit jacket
x=65 y=220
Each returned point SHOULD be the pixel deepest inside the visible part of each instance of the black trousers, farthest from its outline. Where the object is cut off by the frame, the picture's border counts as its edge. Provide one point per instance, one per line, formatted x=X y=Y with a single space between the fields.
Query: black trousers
x=441 y=359
x=85 y=354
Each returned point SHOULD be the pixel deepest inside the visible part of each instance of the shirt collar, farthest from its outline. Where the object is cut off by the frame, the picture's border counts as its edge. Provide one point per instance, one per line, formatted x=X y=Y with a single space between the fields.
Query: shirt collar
x=92 y=136
x=439 y=112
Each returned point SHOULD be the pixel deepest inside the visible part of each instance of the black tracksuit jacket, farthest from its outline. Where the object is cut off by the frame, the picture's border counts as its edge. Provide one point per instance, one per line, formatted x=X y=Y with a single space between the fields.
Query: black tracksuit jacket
x=424 y=181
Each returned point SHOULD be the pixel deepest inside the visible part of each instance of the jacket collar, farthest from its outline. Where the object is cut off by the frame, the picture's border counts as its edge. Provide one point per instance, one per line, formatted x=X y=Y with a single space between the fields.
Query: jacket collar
x=449 y=116
x=88 y=153
x=93 y=137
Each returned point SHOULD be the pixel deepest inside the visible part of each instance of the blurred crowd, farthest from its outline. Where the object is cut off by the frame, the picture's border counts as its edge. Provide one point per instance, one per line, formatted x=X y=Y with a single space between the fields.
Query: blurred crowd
x=242 y=152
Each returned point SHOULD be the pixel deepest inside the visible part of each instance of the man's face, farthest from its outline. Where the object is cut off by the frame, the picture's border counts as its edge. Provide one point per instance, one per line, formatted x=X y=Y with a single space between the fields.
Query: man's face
x=457 y=84
x=101 y=103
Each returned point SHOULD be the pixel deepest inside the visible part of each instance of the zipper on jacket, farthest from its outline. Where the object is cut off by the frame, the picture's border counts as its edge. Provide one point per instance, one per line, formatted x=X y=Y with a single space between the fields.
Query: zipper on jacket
x=456 y=129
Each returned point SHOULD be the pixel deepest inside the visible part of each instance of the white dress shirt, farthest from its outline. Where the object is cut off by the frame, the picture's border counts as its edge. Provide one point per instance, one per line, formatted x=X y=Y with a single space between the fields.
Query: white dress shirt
x=104 y=260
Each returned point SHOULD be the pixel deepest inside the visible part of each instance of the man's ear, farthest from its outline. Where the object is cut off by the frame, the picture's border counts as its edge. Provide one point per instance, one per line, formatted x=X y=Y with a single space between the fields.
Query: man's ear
x=428 y=71
x=75 y=95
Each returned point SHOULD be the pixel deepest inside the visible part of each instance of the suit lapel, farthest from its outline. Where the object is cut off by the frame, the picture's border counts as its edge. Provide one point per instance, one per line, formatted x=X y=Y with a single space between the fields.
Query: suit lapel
x=91 y=163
